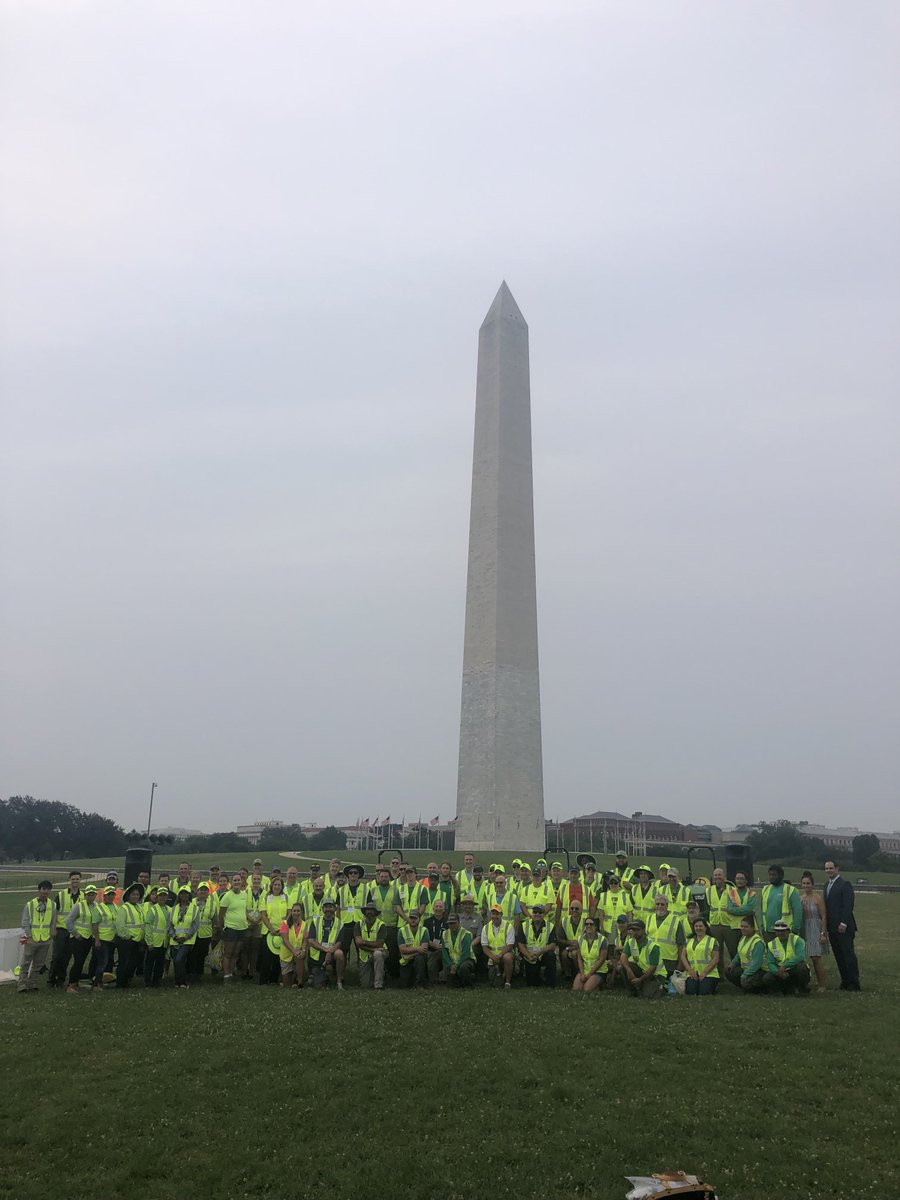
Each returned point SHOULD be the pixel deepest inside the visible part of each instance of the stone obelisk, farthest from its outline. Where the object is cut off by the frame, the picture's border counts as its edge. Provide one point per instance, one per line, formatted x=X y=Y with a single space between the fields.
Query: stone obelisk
x=500 y=794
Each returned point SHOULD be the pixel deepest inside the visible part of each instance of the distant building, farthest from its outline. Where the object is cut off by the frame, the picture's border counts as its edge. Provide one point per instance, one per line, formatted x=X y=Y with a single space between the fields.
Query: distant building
x=606 y=832
x=842 y=837
x=254 y=832
x=177 y=832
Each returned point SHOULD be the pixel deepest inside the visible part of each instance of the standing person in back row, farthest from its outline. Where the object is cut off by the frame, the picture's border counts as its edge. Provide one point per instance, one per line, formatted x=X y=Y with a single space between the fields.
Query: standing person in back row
x=841 y=925
x=779 y=901
x=62 y=942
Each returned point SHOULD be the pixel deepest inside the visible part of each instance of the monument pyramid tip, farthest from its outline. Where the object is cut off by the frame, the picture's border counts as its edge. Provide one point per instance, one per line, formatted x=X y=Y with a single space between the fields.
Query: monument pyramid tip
x=504 y=306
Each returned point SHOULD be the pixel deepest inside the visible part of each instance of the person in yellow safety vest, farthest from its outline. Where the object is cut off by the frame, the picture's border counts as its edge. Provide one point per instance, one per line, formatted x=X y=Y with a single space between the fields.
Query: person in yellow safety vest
x=332 y=884
x=458 y=957
x=274 y=913
x=324 y=943
x=184 y=921
x=666 y=930
x=248 y=958
x=569 y=930
x=498 y=944
x=256 y=868
x=779 y=901
x=676 y=893
x=62 y=942
x=163 y=884
x=622 y=869
x=292 y=886
x=83 y=926
x=466 y=875
x=293 y=952
x=557 y=879
x=572 y=889
x=513 y=879
x=411 y=897
x=537 y=946
x=742 y=901
x=614 y=947
x=369 y=941
x=700 y=961
x=643 y=893
x=156 y=935
x=412 y=939
x=112 y=881
x=102 y=961
x=382 y=892
x=479 y=891
x=640 y=963
x=590 y=953
x=39 y=918
x=313 y=901
x=215 y=880
x=130 y=934
x=590 y=881
x=502 y=896
x=610 y=904
x=787 y=970
x=181 y=880
x=351 y=899
x=747 y=970
x=538 y=892
x=207 y=931
x=720 y=925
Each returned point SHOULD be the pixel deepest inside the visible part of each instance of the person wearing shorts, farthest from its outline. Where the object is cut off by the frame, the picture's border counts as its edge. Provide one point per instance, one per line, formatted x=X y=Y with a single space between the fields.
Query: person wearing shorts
x=233 y=915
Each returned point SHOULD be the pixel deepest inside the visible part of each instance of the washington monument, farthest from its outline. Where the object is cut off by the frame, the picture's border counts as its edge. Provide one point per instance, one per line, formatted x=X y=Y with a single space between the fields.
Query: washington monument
x=500 y=794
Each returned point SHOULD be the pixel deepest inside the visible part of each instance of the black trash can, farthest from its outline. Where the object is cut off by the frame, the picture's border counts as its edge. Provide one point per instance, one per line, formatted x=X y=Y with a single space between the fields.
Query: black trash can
x=738 y=857
x=137 y=859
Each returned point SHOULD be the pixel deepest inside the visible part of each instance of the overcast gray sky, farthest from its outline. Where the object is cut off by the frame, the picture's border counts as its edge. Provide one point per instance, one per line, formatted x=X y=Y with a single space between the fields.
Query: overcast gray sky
x=246 y=251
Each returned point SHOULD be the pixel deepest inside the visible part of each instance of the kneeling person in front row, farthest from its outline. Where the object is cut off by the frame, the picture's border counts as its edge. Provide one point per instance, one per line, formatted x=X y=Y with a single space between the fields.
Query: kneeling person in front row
x=369 y=941
x=786 y=964
x=325 y=947
x=747 y=969
x=412 y=942
x=458 y=958
x=537 y=946
x=641 y=964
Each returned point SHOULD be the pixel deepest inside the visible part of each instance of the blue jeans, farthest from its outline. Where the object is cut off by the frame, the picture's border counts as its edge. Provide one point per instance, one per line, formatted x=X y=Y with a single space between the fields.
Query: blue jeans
x=180 y=956
x=102 y=960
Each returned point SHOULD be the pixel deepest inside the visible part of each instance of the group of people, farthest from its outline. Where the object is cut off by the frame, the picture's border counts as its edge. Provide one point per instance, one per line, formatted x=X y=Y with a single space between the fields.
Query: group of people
x=630 y=928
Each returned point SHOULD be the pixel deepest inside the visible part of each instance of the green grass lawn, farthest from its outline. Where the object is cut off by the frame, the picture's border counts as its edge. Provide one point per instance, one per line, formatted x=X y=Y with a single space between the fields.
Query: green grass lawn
x=264 y=1093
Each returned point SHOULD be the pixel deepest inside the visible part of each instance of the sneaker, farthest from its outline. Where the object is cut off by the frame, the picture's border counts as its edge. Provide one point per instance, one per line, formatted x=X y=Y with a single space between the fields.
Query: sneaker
x=340 y=987
x=507 y=985
x=72 y=989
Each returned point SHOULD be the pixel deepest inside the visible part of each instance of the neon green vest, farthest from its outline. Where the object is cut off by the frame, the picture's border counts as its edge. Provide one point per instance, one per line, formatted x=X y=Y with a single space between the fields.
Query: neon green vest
x=107 y=914
x=406 y=937
x=208 y=912
x=291 y=937
x=351 y=903
x=699 y=955
x=640 y=955
x=276 y=911
x=182 y=921
x=155 y=924
x=496 y=936
x=457 y=946
x=507 y=902
x=786 y=914
x=642 y=902
x=746 y=947
x=718 y=905
x=369 y=933
x=590 y=955
x=535 y=939
x=84 y=917
x=794 y=948
x=64 y=907
x=613 y=903
x=40 y=921
x=384 y=902
x=664 y=934
x=334 y=935
x=130 y=920
x=570 y=933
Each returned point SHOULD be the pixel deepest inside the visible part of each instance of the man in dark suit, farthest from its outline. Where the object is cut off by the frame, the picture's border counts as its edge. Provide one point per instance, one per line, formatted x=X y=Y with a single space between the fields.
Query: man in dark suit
x=841 y=925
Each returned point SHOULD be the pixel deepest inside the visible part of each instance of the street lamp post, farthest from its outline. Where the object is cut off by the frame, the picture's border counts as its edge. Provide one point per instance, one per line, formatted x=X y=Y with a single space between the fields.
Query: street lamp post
x=150 y=813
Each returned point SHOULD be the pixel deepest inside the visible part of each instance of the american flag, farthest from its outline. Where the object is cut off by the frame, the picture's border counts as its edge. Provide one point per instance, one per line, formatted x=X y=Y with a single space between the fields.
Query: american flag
x=453 y=822
x=386 y=821
x=434 y=820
